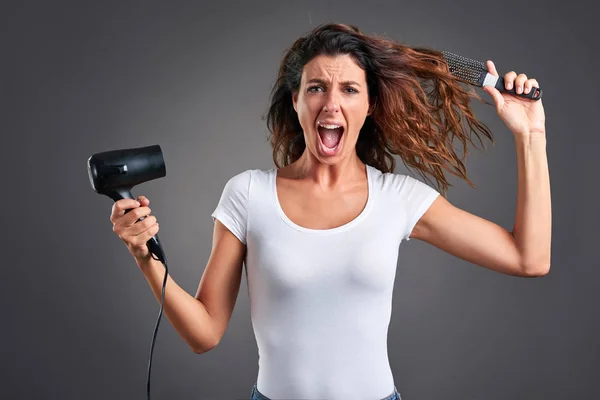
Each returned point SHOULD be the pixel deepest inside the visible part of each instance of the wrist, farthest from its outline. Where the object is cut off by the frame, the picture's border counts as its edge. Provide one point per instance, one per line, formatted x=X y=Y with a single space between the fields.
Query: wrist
x=530 y=134
x=145 y=263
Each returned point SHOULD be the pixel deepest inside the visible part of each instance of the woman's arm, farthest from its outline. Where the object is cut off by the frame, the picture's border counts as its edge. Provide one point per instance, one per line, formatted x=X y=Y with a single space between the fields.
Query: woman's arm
x=523 y=252
x=533 y=223
x=201 y=321
x=526 y=250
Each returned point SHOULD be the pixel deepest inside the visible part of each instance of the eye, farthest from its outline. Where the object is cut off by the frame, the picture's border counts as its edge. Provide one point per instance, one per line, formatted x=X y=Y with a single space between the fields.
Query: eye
x=350 y=89
x=313 y=89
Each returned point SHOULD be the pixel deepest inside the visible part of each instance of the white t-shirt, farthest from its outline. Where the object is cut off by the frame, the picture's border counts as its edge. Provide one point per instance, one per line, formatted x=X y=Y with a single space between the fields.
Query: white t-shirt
x=321 y=300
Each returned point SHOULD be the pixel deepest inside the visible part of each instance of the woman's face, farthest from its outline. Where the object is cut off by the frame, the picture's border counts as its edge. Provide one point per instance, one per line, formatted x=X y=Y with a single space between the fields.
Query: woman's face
x=332 y=104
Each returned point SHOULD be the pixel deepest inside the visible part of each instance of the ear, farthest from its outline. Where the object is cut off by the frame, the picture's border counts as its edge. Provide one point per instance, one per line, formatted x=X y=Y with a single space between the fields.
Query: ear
x=295 y=100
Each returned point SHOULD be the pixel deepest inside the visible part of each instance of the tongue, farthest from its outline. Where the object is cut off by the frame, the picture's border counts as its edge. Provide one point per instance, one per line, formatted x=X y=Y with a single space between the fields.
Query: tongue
x=330 y=137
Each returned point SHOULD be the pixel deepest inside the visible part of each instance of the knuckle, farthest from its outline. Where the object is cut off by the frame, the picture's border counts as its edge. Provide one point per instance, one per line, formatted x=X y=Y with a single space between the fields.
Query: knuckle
x=120 y=204
x=118 y=229
x=149 y=221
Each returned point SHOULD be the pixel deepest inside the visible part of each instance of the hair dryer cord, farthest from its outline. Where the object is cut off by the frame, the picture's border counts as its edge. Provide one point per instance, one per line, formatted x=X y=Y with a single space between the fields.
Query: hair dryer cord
x=162 y=302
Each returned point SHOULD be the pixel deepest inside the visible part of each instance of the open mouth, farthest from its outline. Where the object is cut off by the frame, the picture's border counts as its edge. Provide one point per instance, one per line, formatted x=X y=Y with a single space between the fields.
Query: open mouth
x=330 y=135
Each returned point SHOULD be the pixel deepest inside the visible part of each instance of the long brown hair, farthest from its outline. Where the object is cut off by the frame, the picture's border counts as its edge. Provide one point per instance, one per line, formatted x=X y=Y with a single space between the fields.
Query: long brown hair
x=420 y=107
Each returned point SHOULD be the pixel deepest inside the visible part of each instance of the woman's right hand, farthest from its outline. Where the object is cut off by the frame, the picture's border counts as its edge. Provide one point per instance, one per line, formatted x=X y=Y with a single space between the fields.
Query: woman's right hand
x=134 y=233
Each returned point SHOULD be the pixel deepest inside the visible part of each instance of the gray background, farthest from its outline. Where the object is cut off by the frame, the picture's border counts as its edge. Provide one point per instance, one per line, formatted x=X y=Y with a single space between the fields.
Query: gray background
x=80 y=78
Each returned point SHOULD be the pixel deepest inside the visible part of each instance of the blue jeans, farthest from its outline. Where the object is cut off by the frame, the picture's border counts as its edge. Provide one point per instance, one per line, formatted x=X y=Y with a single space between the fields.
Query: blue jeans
x=256 y=395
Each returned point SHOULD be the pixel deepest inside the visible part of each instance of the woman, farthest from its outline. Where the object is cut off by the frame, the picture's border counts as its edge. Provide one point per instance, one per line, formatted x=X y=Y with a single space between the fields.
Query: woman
x=320 y=233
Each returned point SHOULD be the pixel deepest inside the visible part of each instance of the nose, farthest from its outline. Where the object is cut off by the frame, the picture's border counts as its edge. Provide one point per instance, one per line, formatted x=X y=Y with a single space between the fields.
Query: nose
x=332 y=103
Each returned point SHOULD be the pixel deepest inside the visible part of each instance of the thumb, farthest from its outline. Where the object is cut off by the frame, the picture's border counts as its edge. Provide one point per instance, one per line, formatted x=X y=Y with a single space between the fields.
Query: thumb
x=143 y=200
x=496 y=95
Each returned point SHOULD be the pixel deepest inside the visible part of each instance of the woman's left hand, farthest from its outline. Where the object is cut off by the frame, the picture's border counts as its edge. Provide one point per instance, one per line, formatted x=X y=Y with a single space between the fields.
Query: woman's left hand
x=522 y=116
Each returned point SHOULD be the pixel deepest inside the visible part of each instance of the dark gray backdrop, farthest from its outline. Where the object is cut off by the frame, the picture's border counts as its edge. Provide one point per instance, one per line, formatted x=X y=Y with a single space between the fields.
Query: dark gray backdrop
x=84 y=77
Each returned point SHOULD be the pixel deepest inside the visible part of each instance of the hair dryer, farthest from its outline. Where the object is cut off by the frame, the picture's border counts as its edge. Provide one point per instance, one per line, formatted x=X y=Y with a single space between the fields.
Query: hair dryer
x=115 y=173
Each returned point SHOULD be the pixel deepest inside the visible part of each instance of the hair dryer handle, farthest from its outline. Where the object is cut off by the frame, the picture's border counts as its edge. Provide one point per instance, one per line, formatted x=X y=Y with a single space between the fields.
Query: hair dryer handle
x=153 y=244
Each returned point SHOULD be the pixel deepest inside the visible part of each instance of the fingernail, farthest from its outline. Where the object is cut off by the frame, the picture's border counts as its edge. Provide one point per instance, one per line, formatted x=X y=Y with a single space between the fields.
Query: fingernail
x=509 y=86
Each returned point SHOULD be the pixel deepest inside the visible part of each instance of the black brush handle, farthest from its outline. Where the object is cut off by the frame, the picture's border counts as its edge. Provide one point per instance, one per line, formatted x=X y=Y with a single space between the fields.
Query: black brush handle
x=534 y=94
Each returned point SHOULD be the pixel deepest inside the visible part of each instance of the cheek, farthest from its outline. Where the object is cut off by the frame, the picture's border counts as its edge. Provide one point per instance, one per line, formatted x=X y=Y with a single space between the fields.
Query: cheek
x=356 y=115
x=307 y=112
x=310 y=104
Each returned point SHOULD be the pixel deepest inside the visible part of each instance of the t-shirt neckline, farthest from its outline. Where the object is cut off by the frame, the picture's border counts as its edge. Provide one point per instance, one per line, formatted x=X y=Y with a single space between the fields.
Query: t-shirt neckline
x=340 y=228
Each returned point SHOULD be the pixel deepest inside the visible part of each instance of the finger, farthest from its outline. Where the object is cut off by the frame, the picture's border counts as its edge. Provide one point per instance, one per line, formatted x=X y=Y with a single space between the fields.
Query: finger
x=496 y=95
x=143 y=200
x=509 y=79
x=143 y=237
x=119 y=207
x=529 y=84
x=134 y=215
x=141 y=226
x=491 y=68
x=126 y=232
x=124 y=225
x=519 y=82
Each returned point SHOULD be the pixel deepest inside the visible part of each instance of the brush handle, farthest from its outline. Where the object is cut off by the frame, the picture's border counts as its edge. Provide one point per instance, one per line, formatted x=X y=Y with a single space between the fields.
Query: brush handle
x=534 y=94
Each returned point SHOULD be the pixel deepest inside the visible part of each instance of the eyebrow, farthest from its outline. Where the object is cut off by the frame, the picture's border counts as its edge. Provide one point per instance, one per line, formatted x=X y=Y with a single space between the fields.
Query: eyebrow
x=322 y=82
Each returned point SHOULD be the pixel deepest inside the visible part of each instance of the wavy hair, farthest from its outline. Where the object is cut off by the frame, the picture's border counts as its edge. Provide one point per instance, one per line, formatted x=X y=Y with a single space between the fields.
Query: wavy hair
x=420 y=107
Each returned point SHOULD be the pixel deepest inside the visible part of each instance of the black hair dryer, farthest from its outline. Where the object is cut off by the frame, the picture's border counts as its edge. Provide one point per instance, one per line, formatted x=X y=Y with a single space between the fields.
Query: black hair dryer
x=114 y=173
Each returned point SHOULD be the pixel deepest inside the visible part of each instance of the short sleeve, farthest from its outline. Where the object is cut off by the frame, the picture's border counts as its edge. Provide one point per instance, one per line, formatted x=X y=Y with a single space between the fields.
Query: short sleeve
x=232 y=209
x=416 y=197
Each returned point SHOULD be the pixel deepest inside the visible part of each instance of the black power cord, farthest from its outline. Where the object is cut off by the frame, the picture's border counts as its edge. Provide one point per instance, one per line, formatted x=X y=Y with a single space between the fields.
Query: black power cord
x=162 y=258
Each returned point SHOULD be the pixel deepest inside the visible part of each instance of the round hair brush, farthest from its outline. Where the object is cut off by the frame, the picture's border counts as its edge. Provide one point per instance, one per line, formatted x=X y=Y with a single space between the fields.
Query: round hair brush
x=475 y=73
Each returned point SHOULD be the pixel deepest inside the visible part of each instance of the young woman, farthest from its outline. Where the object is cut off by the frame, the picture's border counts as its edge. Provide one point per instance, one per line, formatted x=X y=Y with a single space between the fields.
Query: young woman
x=320 y=233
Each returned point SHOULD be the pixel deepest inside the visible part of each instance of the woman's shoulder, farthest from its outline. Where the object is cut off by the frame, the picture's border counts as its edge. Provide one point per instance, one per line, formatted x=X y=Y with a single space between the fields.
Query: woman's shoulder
x=387 y=180
x=243 y=179
x=253 y=173
x=398 y=182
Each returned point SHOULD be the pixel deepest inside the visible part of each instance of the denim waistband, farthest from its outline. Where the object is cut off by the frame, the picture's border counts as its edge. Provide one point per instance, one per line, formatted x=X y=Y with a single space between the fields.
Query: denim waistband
x=256 y=395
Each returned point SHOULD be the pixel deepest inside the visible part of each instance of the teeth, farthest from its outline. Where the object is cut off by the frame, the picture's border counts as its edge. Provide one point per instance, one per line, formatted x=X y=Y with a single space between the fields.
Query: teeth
x=329 y=126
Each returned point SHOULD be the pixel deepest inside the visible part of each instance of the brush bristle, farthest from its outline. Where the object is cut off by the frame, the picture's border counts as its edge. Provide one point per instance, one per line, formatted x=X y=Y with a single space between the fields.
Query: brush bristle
x=465 y=69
